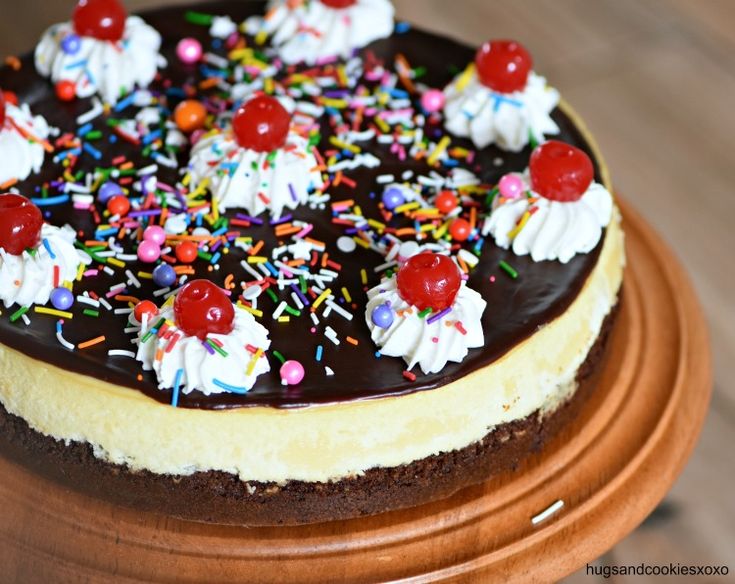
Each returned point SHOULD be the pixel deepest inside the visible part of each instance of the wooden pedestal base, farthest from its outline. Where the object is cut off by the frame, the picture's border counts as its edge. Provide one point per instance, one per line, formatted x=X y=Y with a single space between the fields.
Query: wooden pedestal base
x=610 y=469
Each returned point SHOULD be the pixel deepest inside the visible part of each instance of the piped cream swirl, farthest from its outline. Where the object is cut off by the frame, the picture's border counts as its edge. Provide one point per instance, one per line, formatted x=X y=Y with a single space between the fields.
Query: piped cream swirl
x=429 y=343
x=550 y=230
x=29 y=278
x=21 y=151
x=311 y=31
x=178 y=358
x=110 y=69
x=474 y=111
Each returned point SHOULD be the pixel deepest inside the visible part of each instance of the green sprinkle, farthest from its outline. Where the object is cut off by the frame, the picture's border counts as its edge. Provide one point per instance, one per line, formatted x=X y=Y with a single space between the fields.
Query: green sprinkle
x=94 y=135
x=419 y=72
x=491 y=196
x=278 y=356
x=508 y=269
x=199 y=18
x=216 y=347
x=425 y=312
x=532 y=140
x=204 y=255
x=90 y=312
x=18 y=313
x=292 y=311
x=272 y=294
x=302 y=284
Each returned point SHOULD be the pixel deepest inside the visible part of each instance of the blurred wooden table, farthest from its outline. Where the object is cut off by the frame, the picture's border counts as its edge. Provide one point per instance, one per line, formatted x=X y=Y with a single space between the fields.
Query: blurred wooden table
x=655 y=81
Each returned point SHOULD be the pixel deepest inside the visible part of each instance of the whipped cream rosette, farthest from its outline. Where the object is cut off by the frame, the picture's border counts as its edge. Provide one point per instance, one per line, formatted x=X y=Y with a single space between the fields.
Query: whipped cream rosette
x=317 y=30
x=554 y=210
x=35 y=258
x=426 y=314
x=202 y=342
x=499 y=100
x=22 y=141
x=101 y=51
x=257 y=164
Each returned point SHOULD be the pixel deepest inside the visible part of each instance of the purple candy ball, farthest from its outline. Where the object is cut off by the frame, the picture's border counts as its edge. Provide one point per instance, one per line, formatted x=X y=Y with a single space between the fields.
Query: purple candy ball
x=382 y=316
x=164 y=275
x=62 y=298
x=108 y=190
x=393 y=197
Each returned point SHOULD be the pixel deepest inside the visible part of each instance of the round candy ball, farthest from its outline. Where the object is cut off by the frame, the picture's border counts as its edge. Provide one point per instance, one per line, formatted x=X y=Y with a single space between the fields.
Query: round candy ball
x=292 y=372
x=164 y=275
x=71 y=44
x=393 y=197
x=145 y=307
x=460 y=230
x=108 y=190
x=432 y=100
x=148 y=251
x=66 y=90
x=118 y=205
x=189 y=50
x=186 y=252
x=382 y=316
x=446 y=202
x=156 y=234
x=62 y=298
x=510 y=186
x=190 y=115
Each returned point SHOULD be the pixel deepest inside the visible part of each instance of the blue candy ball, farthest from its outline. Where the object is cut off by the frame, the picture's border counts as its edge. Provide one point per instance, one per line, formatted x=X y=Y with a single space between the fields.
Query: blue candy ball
x=393 y=197
x=108 y=190
x=71 y=44
x=164 y=275
x=62 y=298
x=382 y=316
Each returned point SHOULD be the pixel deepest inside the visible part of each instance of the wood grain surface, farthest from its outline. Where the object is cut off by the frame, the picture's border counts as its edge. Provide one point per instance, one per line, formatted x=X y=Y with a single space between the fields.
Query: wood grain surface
x=654 y=80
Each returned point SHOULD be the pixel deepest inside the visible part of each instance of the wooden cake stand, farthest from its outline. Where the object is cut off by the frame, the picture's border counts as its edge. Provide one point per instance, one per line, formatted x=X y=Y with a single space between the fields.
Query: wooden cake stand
x=609 y=469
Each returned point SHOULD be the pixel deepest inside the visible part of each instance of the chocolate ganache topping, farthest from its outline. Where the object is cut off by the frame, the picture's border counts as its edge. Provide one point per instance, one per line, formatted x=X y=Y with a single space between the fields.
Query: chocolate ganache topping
x=516 y=307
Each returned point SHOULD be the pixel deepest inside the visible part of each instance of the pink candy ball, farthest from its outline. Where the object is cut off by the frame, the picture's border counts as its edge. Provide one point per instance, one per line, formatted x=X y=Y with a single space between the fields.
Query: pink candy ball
x=510 y=186
x=189 y=50
x=432 y=100
x=156 y=234
x=148 y=251
x=292 y=372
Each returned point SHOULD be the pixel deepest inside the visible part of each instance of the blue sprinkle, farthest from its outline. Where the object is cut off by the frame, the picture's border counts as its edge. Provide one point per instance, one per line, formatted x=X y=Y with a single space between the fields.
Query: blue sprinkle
x=89 y=149
x=230 y=388
x=121 y=105
x=58 y=200
x=47 y=245
x=85 y=129
x=319 y=351
x=215 y=258
x=402 y=27
x=177 y=385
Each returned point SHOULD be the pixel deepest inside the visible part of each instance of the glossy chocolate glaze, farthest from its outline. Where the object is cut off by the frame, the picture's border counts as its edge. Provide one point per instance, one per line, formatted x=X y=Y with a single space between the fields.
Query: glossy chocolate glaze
x=516 y=308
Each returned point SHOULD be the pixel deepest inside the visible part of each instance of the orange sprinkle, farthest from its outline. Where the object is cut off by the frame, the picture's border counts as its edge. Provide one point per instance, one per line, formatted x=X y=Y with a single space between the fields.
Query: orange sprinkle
x=256 y=248
x=228 y=282
x=123 y=298
x=352 y=341
x=91 y=342
x=8 y=184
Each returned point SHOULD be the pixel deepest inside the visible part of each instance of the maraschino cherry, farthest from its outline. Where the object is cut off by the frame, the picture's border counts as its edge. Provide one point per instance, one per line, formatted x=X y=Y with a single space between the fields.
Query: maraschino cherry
x=100 y=19
x=261 y=124
x=339 y=4
x=503 y=66
x=559 y=171
x=20 y=224
x=429 y=280
x=202 y=308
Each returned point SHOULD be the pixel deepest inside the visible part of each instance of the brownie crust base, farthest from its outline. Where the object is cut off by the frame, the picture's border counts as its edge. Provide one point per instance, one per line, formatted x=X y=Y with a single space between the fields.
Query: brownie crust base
x=220 y=497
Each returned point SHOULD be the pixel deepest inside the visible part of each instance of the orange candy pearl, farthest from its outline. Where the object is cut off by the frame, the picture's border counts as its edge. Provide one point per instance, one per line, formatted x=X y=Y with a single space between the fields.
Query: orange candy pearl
x=190 y=115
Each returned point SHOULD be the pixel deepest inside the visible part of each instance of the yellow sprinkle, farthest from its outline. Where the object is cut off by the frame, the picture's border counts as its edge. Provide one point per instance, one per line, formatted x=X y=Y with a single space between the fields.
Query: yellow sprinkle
x=269 y=85
x=335 y=103
x=250 y=309
x=465 y=77
x=186 y=180
x=439 y=233
x=361 y=242
x=145 y=275
x=169 y=301
x=346 y=294
x=427 y=227
x=407 y=207
x=257 y=259
x=363 y=276
x=80 y=271
x=253 y=361
x=385 y=128
x=261 y=37
x=53 y=312
x=284 y=318
x=356 y=210
x=344 y=145
x=116 y=262
x=322 y=297
x=376 y=225
x=521 y=224
x=439 y=150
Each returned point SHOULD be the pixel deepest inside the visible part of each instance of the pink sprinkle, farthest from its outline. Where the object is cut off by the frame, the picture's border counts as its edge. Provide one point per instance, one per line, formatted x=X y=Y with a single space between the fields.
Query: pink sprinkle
x=460 y=328
x=492 y=278
x=434 y=339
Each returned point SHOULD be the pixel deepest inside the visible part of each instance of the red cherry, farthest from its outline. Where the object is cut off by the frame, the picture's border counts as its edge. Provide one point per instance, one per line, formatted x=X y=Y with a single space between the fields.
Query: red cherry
x=20 y=224
x=261 y=124
x=118 y=205
x=446 y=202
x=145 y=307
x=202 y=308
x=429 y=280
x=560 y=172
x=460 y=230
x=100 y=19
x=503 y=66
x=338 y=4
x=66 y=90
x=186 y=252
x=2 y=110
x=10 y=97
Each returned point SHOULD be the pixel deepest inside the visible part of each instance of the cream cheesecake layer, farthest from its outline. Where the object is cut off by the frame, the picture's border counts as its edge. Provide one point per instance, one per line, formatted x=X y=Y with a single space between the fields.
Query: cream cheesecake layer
x=318 y=443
